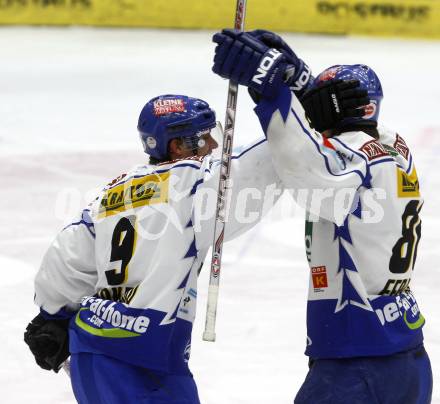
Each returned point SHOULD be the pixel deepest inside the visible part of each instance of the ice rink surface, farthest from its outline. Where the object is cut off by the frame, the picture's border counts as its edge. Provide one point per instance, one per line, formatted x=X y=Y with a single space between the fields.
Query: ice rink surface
x=69 y=102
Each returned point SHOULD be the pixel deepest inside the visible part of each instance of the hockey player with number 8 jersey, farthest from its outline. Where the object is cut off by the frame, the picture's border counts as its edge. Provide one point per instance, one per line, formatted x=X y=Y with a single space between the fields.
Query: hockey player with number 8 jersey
x=362 y=230
x=358 y=184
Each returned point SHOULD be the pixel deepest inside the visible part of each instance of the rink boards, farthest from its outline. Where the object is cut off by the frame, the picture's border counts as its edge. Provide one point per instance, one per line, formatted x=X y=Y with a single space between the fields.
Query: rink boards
x=403 y=18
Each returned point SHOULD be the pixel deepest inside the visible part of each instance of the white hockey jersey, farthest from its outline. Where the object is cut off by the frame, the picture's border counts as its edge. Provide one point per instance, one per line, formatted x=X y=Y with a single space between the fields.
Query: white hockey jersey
x=128 y=266
x=363 y=227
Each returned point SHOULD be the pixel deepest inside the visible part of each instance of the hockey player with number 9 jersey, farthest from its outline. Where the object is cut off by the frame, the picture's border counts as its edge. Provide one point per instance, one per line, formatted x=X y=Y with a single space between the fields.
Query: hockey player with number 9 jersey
x=126 y=270
x=358 y=184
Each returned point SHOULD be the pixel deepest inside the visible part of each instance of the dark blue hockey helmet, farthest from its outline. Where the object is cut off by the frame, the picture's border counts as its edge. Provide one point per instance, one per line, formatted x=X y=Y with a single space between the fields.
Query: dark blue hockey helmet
x=368 y=81
x=170 y=116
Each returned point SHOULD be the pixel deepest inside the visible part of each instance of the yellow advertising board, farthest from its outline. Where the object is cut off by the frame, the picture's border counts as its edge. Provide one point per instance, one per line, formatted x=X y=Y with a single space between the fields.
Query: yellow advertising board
x=410 y=18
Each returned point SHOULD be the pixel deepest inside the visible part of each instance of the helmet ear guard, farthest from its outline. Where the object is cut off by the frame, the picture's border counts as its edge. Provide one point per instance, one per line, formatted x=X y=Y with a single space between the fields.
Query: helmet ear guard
x=168 y=117
x=368 y=80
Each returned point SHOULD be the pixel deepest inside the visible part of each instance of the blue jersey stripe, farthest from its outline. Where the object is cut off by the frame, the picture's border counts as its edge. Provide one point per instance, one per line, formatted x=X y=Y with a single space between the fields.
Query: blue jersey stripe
x=386 y=160
x=250 y=148
x=86 y=220
x=322 y=154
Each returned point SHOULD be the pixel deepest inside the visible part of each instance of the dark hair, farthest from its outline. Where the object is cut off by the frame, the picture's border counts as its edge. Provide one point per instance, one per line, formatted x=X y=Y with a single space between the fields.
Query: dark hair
x=154 y=161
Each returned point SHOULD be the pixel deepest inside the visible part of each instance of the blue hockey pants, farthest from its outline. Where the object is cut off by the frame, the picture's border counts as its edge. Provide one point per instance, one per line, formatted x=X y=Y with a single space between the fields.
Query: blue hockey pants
x=99 y=379
x=402 y=378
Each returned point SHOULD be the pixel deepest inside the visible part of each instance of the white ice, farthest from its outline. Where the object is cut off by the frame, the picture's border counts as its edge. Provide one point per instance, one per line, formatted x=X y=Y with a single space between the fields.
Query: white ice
x=69 y=102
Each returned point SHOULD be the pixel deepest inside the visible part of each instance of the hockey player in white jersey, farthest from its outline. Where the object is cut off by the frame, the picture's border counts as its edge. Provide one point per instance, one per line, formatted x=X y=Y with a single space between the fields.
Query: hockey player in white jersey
x=124 y=273
x=363 y=226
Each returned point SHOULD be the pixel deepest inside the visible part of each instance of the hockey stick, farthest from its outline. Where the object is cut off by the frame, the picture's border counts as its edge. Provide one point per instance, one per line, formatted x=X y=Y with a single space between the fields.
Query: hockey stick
x=66 y=367
x=221 y=210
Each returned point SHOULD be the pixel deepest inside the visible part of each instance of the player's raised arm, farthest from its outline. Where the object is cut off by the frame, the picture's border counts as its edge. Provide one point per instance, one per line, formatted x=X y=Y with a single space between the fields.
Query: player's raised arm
x=276 y=77
x=360 y=263
x=254 y=188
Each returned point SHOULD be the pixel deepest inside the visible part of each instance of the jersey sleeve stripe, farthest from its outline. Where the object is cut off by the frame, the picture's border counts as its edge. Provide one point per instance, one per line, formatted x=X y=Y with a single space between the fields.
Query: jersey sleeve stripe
x=386 y=160
x=89 y=227
x=318 y=148
x=248 y=149
x=86 y=220
x=195 y=186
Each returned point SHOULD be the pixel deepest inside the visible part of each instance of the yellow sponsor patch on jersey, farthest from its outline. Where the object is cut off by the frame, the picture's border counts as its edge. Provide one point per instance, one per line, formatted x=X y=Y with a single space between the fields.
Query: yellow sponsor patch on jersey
x=407 y=184
x=134 y=193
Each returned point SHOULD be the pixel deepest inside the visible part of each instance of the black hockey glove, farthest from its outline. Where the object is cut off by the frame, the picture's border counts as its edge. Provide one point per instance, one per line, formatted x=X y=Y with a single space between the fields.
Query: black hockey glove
x=328 y=104
x=48 y=341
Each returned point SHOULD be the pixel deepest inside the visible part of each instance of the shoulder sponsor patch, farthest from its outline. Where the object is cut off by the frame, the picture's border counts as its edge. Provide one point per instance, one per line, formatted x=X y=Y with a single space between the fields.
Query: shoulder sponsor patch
x=401 y=147
x=374 y=150
x=137 y=192
x=391 y=150
x=319 y=277
x=407 y=184
x=116 y=180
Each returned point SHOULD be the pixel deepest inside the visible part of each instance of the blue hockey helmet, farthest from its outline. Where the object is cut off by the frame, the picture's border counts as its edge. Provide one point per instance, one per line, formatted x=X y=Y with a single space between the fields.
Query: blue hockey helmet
x=368 y=81
x=170 y=116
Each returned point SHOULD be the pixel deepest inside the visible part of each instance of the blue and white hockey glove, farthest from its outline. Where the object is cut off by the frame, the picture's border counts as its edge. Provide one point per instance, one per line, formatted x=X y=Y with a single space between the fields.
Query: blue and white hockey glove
x=245 y=60
x=298 y=75
x=260 y=60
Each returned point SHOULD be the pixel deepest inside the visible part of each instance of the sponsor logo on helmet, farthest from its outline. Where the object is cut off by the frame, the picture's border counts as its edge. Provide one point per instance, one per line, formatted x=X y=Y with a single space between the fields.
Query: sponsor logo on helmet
x=168 y=106
x=151 y=142
x=200 y=141
x=203 y=132
x=370 y=110
x=328 y=74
